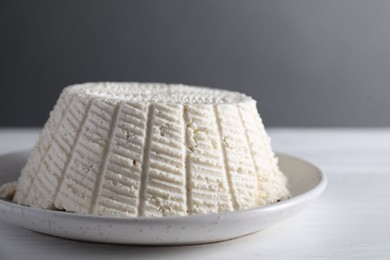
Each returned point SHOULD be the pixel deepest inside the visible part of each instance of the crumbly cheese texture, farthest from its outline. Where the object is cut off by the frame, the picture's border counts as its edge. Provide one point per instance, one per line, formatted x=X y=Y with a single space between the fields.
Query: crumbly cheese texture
x=7 y=190
x=154 y=150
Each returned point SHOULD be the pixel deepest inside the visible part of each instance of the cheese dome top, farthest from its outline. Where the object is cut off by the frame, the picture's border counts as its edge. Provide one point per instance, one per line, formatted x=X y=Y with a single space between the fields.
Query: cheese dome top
x=158 y=92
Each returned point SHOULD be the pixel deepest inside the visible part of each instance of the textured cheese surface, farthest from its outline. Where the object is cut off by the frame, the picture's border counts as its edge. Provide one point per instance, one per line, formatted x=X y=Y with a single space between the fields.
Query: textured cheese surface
x=7 y=190
x=149 y=149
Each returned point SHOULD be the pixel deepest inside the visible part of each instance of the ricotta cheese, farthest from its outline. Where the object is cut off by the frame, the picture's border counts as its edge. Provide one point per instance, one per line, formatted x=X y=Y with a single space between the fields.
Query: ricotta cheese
x=148 y=149
x=7 y=190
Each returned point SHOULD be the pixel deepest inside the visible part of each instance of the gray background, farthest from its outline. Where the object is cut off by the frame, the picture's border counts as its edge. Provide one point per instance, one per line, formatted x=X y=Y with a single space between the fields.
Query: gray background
x=308 y=63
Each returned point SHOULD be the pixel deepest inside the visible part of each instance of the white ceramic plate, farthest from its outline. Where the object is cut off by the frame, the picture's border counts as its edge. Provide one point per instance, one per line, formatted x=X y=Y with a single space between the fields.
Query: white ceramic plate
x=306 y=183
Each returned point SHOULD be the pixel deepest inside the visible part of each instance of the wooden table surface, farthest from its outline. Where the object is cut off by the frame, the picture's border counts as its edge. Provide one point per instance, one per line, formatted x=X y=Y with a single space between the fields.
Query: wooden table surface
x=350 y=221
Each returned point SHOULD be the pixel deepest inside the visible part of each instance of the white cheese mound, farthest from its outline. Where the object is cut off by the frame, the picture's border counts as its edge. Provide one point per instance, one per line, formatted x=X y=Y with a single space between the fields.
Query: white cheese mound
x=148 y=149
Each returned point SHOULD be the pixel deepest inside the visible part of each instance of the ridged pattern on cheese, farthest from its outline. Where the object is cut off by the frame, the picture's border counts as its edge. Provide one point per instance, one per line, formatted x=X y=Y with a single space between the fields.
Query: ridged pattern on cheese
x=164 y=191
x=271 y=181
x=118 y=194
x=105 y=152
x=238 y=158
x=76 y=192
x=209 y=188
x=56 y=161
x=41 y=150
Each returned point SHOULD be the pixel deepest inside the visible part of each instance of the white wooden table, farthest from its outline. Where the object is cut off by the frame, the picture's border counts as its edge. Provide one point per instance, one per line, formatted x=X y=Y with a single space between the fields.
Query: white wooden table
x=350 y=221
